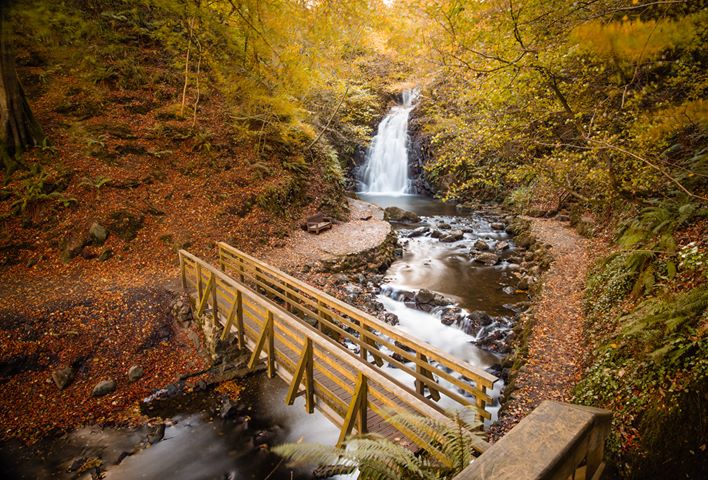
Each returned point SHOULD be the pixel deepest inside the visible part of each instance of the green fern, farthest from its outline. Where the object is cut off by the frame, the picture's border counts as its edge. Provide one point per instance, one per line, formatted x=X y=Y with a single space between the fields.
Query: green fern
x=377 y=458
x=650 y=236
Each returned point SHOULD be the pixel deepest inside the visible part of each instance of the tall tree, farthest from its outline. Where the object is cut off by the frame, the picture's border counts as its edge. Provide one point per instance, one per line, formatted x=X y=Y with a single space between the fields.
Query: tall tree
x=18 y=127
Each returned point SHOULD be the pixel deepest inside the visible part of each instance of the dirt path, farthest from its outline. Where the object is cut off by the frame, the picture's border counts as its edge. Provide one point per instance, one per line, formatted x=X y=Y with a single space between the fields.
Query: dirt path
x=365 y=229
x=556 y=343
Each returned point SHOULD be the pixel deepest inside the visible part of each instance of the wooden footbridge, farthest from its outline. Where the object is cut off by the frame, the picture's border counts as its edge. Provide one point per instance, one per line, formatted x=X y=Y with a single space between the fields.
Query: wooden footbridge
x=301 y=331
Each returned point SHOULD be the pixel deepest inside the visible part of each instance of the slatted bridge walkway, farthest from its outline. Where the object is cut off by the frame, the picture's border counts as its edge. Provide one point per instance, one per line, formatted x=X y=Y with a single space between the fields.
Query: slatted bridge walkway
x=299 y=331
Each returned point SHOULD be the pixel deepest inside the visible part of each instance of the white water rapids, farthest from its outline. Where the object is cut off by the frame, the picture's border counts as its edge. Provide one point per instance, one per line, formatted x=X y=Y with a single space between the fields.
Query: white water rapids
x=386 y=169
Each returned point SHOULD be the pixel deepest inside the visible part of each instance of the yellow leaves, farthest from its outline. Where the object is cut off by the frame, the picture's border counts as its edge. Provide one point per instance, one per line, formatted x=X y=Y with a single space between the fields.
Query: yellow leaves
x=655 y=127
x=631 y=40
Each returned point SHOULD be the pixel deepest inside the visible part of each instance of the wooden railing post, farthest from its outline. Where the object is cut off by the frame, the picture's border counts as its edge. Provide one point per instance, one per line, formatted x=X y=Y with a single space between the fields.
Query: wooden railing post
x=265 y=336
x=304 y=370
x=236 y=312
x=271 y=345
x=357 y=411
x=183 y=272
x=200 y=287
x=215 y=302
x=481 y=404
x=420 y=384
x=204 y=297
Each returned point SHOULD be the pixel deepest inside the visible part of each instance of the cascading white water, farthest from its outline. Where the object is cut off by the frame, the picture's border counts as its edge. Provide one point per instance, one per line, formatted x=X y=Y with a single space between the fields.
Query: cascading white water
x=386 y=169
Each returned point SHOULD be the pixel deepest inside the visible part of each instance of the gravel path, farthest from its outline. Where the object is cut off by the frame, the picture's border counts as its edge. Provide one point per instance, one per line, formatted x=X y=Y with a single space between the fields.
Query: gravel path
x=365 y=229
x=556 y=346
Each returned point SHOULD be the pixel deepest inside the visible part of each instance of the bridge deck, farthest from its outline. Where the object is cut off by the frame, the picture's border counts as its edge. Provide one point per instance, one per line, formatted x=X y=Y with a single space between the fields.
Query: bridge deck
x=352 y=393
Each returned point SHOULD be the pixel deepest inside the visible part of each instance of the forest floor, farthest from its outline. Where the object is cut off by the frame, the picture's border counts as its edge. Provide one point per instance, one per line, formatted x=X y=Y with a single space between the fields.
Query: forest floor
x=556 y=345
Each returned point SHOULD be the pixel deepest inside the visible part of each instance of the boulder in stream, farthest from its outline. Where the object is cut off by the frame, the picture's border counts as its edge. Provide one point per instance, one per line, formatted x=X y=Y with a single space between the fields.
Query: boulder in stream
x=487 y=258
x=418 y=232
x=452 y=236
x=481 y=245
x=395 y=214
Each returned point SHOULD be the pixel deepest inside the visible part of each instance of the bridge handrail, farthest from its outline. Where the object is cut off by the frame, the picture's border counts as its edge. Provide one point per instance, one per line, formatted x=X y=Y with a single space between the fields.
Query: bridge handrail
x=556 y=441
x=224 y=294
x=326 y=308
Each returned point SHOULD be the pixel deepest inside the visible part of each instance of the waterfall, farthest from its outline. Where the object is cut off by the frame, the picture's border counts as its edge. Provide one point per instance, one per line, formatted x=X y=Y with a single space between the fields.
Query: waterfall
x=386 y=169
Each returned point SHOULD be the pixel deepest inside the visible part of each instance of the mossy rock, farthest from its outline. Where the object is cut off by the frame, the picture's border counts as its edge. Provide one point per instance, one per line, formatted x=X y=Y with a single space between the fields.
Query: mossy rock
x=125 y=224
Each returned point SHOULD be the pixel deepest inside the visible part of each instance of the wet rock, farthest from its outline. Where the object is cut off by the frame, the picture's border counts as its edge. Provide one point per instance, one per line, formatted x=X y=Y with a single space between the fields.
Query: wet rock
x=523 y=283
x=98 y=234
x=444 y=226
x=156 y=433
x=502 y=246
x=436 y=234
x=418 y=232
x=497 y=226
x=452 y=236
x=62 y=377
x=513 y=267
x=487 y=258
x=518 y=307
x=135 y=373
x=451 y=316
x=104 y=388
x=391 y=319
x=263 y=437
x=474 y=322
x=424 y=296
x=481 y=245
x=105 y=255
x=228 y=409
x=396 y=214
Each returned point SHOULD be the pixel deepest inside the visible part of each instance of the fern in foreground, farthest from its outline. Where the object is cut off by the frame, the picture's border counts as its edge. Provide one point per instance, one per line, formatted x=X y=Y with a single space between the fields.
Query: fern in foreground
x=449 y=452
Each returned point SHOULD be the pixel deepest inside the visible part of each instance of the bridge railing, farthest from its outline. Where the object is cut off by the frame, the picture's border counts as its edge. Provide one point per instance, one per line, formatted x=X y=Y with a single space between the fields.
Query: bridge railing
x=350 y=392
x=466 y=384
x=556 y=441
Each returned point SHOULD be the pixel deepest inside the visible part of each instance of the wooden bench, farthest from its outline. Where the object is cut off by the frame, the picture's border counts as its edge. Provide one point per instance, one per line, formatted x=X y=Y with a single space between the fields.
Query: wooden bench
x=317 y=223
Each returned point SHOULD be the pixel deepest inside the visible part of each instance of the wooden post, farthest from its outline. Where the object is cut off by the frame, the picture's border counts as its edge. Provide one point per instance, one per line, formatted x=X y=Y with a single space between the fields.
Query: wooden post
x=183 y=272
x=271 y=345
x=481 y=404
x=357 y=410
x=265 y=336
x=200 y=287
x=235 y=311
x=419 y=384
x=304 y=369
x=239 y=320
x=215 y=301
x=204 y=298
x=241 y=277
x=362 y=340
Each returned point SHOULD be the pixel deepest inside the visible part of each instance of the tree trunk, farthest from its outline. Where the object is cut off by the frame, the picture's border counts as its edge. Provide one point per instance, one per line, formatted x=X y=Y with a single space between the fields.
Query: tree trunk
x=18 y=127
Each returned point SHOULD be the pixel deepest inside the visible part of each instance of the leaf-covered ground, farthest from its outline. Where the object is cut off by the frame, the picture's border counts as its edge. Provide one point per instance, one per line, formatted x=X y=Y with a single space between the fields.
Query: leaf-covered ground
x=556 y=346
